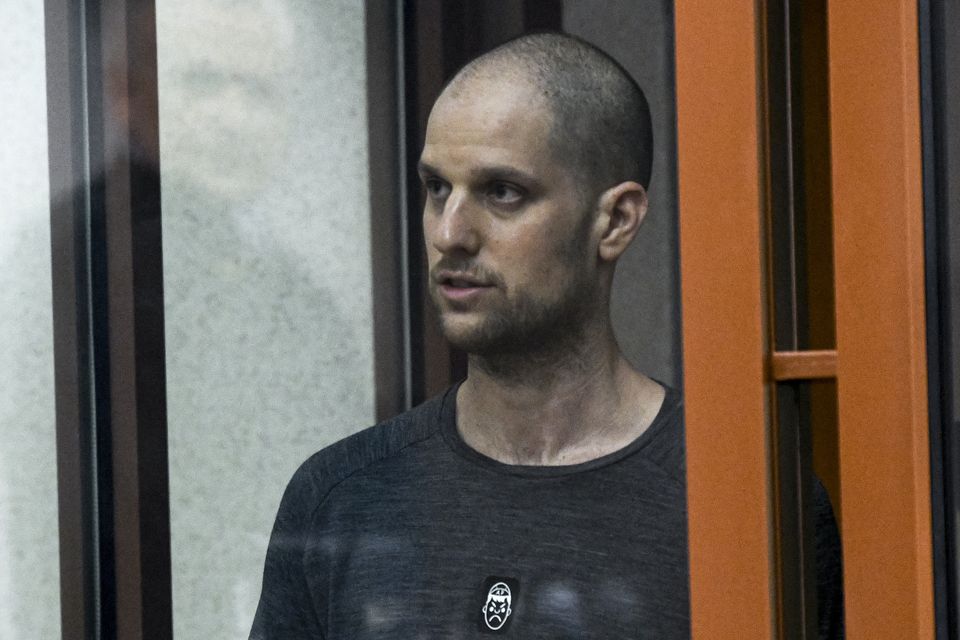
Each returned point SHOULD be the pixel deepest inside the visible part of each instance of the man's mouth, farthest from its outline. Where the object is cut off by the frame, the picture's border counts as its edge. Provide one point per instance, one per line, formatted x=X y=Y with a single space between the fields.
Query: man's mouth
x=460 y=286
x=460 y=280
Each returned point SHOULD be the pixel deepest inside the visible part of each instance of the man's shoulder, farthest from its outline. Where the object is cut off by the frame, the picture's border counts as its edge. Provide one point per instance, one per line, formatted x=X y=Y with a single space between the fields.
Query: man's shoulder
x=664 y=440
x=358 y=452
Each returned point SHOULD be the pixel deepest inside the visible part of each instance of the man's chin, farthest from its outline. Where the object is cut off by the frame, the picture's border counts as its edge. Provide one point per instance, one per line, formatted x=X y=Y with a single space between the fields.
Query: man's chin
x=491 y=333
x=470 y=342
x=471 y=337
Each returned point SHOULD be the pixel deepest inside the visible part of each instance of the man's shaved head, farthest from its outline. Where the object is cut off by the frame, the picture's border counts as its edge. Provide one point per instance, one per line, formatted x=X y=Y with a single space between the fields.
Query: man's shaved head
x=601 y=119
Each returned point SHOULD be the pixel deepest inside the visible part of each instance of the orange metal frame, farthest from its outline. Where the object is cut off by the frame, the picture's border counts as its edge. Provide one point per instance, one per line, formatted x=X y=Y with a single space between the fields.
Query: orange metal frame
x=803 y=365
x=724 y=337
x=879 y=362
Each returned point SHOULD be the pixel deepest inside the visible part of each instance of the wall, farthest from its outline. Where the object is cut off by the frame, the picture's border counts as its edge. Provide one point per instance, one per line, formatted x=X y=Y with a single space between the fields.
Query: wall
x=29 y=559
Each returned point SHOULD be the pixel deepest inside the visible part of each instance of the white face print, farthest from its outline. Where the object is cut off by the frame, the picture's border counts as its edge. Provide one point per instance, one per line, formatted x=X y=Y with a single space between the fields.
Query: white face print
x=497 y=608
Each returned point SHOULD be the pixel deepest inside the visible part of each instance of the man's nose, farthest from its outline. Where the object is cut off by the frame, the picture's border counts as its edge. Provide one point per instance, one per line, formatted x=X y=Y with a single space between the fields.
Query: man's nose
x=456 y=229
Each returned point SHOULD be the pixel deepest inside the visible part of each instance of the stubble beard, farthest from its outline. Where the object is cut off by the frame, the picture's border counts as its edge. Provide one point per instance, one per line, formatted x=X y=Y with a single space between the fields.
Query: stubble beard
x=528 y=330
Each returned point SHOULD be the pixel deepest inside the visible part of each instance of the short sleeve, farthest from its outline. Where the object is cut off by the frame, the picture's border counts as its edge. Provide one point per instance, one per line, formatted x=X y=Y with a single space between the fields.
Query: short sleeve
x=286 y=610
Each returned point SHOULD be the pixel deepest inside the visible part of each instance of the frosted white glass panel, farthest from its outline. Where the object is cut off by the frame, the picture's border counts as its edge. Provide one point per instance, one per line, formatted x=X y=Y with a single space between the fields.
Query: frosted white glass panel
x=29 y=557
x=266 y=275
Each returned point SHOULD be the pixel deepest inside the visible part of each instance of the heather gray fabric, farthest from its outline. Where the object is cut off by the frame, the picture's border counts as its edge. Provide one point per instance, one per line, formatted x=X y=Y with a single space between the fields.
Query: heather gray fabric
x=403 y=532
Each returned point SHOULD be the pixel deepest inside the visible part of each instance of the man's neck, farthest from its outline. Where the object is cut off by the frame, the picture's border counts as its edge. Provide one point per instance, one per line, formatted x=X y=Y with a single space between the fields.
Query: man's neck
x=568 y=408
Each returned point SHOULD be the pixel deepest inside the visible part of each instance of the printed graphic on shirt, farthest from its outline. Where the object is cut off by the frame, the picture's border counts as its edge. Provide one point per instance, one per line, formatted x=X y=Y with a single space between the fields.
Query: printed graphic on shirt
x=500 y=598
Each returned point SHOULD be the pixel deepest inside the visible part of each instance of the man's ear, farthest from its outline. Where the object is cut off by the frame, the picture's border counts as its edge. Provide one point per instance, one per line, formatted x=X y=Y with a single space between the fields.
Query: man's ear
x=622 y=210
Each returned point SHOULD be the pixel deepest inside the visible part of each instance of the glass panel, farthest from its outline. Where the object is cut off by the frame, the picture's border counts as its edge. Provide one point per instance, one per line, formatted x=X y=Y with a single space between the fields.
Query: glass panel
x=29 y=556
x=267 y=276
x=646 y=298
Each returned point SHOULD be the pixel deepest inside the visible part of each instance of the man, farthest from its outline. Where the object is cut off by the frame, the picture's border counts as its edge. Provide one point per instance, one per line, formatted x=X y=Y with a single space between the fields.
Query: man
x=544 y=497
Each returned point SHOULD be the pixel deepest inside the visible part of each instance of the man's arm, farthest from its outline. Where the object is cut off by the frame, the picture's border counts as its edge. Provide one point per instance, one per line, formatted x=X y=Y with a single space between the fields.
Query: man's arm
x=286 y=610
x=829 y=567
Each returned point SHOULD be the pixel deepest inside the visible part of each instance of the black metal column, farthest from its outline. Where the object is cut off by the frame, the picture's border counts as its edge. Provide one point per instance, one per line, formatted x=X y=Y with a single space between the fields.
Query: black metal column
x=108 y=319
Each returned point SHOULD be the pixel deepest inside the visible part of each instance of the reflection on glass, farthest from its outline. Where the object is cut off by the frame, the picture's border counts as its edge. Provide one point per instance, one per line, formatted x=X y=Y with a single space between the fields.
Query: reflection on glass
x=29 y=559
x=267 y=276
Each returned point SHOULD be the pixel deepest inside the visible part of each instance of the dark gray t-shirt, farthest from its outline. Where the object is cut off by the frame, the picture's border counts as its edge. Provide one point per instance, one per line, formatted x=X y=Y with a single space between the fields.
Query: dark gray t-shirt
x=403 y=531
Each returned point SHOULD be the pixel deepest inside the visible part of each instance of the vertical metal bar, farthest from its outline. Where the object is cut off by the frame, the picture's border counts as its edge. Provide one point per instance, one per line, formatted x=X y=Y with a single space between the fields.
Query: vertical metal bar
x=934 y=19
x=880 y=301
x=134 y=325
x=782 y=309
x=404 y=208
x=108 y=319
x=73 y=349
x=95 y=154
x=725 y=337
x=421 y=24
x=543 y=14
x=780 y=185
x=387 y=211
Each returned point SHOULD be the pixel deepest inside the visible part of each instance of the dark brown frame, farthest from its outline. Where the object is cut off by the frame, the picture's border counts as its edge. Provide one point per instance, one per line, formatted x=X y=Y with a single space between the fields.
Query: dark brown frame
x=71 y=331
x=393 y=371
x=940 y=140
x=108 y=319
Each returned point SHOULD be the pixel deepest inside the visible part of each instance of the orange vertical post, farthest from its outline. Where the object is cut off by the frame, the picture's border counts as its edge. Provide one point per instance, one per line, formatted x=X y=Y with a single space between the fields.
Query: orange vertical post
x=724 y=335
x=881 y=362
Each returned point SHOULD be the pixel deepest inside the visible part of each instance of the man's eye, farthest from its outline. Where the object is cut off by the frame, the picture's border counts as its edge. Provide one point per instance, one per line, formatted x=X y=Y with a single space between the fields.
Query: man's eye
x=435 y=188
x=504 y=193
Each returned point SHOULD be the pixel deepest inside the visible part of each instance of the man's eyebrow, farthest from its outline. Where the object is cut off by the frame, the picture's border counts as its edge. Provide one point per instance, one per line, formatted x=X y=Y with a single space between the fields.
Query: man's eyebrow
x=502 y=172
x=492 y=172
x=424 y=168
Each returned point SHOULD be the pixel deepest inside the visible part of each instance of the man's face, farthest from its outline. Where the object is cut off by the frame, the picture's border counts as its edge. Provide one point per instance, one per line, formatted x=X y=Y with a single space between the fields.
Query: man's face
x=509 y=240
